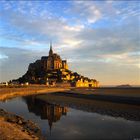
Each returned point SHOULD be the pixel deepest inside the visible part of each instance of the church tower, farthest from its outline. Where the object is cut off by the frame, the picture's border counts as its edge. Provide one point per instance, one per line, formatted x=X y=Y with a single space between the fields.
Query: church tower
x=54 y=61
x=50 y=51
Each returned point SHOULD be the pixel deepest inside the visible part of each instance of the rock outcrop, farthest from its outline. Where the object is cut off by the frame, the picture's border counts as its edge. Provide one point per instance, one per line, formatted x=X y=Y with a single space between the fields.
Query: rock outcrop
x=26 y=126
x=52 y=69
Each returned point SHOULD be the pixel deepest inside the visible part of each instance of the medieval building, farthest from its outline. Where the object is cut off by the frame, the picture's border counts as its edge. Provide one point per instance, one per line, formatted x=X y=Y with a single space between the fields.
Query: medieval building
x=53 y=61
x=52 y=69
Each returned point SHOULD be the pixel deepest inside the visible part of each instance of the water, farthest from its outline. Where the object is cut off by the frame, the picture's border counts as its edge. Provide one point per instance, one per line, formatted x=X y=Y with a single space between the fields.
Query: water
x=58 y=121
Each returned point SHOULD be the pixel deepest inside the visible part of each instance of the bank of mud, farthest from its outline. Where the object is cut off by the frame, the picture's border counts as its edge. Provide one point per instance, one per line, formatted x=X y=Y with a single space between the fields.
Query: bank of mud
x=16 y=128
x=7 y=93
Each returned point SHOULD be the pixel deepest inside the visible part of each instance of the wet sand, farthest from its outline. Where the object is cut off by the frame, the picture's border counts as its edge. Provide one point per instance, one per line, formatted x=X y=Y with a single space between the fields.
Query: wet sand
x=13 y=127
x=132 y=91
x=126 y=111
x=7 y=93
x=118 y=95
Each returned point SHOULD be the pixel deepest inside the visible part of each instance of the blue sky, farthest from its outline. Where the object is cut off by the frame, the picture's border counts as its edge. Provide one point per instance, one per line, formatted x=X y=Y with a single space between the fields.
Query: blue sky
x=100 y=39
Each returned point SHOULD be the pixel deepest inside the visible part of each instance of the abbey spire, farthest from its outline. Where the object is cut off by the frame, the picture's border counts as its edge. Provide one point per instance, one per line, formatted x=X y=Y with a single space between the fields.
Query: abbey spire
x=51 y=51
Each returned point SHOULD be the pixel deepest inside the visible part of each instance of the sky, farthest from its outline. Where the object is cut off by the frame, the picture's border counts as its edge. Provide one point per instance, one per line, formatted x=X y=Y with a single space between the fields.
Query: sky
x=99 y=39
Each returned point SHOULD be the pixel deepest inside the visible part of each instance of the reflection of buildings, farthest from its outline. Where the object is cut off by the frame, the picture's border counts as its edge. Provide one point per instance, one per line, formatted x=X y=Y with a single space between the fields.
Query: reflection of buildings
x=51 y=112
x=93 y=105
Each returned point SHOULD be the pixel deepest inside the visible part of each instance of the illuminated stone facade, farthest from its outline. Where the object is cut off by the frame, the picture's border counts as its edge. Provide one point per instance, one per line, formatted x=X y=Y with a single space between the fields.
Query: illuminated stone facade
x=53 y=61
x=85 y=82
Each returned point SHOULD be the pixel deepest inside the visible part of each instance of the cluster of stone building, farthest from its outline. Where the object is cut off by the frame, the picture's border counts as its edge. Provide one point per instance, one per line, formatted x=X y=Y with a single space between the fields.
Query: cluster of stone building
x=85 y=82
x=52 y=69
x=53 y=61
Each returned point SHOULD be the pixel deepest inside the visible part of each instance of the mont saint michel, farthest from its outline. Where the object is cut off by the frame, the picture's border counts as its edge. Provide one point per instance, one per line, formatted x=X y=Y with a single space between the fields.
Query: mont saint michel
x=52 y=70
x=69 y=70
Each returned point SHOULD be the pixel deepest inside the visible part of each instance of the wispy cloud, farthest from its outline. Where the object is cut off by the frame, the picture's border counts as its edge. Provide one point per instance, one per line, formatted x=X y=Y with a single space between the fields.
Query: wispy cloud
x=86 y=11
x=92 y=35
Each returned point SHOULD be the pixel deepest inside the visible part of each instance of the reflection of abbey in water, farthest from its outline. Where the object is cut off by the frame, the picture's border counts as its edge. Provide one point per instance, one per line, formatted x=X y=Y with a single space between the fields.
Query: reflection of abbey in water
x=45 y=110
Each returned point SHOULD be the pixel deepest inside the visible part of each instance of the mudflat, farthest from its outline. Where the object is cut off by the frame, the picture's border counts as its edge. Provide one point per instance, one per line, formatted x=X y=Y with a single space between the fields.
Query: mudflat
x=128 y=92
x=119 y=95
x=122 y=95
x=117 y=102
x=10 y=92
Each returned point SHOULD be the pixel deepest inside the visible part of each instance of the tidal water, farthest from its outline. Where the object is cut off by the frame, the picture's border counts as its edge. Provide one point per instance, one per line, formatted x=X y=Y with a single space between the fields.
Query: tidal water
x=58 y=121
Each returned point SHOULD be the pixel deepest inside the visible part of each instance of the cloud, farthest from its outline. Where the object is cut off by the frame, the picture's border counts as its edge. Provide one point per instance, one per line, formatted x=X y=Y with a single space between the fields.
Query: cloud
x=86 y=11
x=41 y=30
x=93 y=36
x=2 y=56
x=14 y=61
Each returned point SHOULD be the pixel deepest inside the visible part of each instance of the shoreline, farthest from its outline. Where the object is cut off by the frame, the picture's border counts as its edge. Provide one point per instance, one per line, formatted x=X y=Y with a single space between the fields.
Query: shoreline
x=116 y=95
x=8 y=93
x=21 y=128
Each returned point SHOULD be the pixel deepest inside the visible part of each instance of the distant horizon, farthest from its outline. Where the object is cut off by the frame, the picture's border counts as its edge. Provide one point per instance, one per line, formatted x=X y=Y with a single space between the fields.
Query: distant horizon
x=118 y=85
x=99 y=39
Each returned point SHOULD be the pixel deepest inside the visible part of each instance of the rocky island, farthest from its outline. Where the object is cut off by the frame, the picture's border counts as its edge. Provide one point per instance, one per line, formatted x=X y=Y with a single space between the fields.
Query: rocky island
x=52 y=70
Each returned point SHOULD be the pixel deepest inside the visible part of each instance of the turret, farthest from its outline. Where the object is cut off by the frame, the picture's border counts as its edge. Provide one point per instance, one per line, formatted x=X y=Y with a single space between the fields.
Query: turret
x=64 y=64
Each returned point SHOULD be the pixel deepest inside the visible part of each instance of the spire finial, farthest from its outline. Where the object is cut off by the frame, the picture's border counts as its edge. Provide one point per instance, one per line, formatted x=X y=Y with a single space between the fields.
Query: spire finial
x=50 y=44
x=51 y=51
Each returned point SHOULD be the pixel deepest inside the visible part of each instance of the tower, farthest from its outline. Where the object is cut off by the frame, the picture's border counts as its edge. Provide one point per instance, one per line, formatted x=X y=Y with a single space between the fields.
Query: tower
x=50 y=51
x=64 y=64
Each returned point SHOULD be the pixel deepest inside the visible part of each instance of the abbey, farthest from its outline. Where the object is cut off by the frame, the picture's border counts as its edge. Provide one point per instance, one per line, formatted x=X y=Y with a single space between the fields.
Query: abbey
x=53 y=61
x=52 y=69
